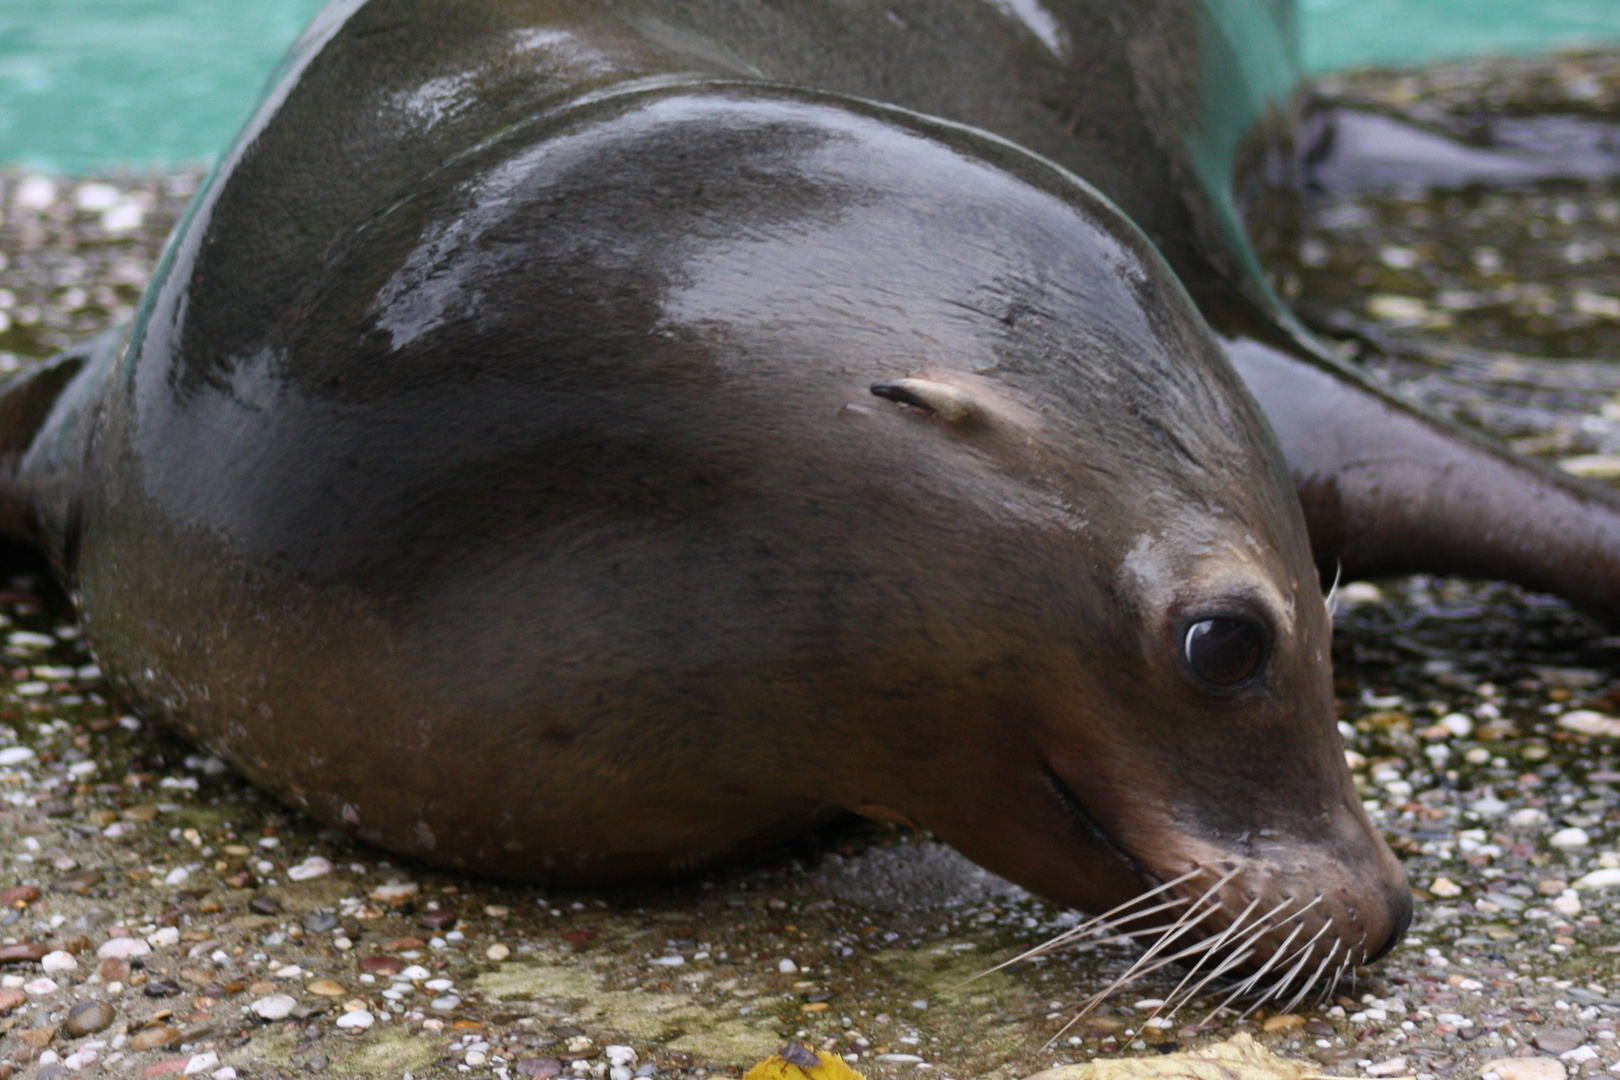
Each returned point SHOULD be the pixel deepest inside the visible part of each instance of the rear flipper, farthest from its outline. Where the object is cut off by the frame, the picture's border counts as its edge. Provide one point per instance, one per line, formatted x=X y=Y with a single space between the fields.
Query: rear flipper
x=1388 y=489
x=47 y=416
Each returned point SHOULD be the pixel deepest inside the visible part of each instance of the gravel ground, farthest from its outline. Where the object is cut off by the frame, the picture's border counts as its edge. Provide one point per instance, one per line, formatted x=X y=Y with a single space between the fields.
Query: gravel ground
x=161 y=916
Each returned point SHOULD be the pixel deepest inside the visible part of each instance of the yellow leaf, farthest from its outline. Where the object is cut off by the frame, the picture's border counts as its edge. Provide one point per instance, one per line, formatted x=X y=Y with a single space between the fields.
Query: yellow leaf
x=792 y=1062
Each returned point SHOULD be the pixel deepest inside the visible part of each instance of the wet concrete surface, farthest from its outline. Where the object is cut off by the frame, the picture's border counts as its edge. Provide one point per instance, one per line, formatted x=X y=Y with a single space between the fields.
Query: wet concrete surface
x=213 y=931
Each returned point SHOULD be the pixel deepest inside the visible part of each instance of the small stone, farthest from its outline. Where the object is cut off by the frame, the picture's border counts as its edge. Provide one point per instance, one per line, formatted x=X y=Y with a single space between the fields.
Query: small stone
x=38 y=1038
x=382 y=965
x=15 y=755
x=358 y=1020
x=274 y=1007
x=24 y=952
x=1567 y=904
x=440 y=920
x=153 y=1037
x=10 y=998
x=79 y=882
x=264 y=905
x=312 y=867
x=1525 y=1068
x=113 y=970
x=321 y=922
x=1569 y=838
x=1284 y=1022
x=1559 y=1040
x=40 y=987
x=201 y=1063
x=123 y=948
x=1579 y=1056
x=395 y=892
x=447 y=1003
x=88 y=1018
x=326 y=988
x=497 y=952
x=20 y=896
x=1599 y=879
x=786 y=966
x=899 y=1059
x=59 y=960
x=1587 y=722
x=161 y=988
x=1444 y=886
x=539 y=1068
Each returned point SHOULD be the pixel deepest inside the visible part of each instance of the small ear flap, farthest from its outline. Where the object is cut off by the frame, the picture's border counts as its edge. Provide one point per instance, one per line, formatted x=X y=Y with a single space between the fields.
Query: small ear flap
x=950 y=403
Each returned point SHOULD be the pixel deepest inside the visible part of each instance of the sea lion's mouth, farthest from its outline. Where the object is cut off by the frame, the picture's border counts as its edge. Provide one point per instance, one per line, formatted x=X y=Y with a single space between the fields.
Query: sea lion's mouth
x=1077 y=811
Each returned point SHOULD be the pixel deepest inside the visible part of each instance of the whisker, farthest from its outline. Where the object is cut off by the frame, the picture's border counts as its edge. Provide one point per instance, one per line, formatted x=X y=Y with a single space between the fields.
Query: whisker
x=1247 y=984
x=1284 y=981
x=1091 y=924
x=1215 y=945
x=1305 y=987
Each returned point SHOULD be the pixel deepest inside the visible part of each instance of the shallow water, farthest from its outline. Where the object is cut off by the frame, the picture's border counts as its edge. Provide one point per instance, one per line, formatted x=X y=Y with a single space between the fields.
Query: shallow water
x=89 y=84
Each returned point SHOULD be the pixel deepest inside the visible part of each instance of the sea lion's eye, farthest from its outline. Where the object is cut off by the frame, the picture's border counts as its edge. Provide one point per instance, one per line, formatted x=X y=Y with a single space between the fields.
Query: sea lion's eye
x=1224 y=652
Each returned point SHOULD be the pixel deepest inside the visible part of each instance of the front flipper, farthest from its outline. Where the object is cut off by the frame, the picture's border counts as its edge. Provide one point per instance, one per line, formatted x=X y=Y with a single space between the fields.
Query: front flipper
x=1388 y=489
x=47 y=415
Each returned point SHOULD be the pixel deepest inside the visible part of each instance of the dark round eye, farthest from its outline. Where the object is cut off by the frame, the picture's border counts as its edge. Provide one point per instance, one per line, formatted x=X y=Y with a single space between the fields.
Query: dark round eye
x=1225 y=652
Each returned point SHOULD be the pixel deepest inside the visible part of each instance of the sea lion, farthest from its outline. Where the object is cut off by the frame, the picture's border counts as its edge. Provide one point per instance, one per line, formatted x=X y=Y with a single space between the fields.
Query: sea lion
x=575 y=441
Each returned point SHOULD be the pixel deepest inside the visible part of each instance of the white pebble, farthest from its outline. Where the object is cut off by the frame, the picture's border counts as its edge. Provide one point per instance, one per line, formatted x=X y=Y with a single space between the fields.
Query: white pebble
x=1578 y=1056
x=1567 y=904
x=1569 y=838
x=124 y=218
x=15 y=755
x=58 y=961
x=1395 y=1066
x=1527 y=817
x=498 y=952
x=177 y=876
x=619 y=1054
x=671 y=961
x=1489 y=805
x=360 y=1018
x=96 y=197
x=416 y=973
x=35 y=193
x=786 y=966
x=1599 y=879
x=225 y=1073
x=164 y=936
x=123 y=948
x=79 y=1059
x=201 y=1063
x=312 y=867
x=899 y=1059
x=40 y=987
x=274 y=1007
x=1458 y=724
x=444 y=1004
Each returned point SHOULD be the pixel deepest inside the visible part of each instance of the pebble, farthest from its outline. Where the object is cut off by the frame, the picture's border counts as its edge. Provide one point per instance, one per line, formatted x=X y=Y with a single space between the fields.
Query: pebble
x=275 y=1006
x=357 y=1020
x=497 y=952
x=1525 y=1068
x=1572 y=837
x=445 y=1003
x=1558 y=1040
x=1444 y=886
x=153 y=1037
x=53 y=962
x=1588 y=722
x=1598 y=879
x=1395 y=1066
x=786 y=966
x=23 y=952
x=15 y=755
x=123 y=948
x=539 y=1068
x=88 y=1018
x=395 y=892
x=326 y=988
x=40 y=987
x=201 y=1063
x=312 y=867
x=10 y=998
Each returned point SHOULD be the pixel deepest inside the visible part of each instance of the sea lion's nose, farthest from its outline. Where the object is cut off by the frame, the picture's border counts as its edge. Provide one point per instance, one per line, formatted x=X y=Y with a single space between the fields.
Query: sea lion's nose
x=1400 y=919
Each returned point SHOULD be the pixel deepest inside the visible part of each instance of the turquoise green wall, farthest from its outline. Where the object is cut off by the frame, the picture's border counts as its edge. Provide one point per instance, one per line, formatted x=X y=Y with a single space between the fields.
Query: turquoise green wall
x=88 y=84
